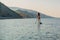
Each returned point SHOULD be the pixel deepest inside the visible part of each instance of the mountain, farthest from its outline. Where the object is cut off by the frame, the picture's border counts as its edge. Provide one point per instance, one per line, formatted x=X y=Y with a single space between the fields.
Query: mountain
x=15 y=12
x=6 y=12
x=29 y=13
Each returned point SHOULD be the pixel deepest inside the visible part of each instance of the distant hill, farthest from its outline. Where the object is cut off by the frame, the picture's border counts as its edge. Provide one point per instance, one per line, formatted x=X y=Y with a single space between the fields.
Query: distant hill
x=29 y=13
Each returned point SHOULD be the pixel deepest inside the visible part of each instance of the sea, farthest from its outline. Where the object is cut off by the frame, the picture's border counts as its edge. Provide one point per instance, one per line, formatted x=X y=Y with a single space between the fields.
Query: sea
x=27 y=29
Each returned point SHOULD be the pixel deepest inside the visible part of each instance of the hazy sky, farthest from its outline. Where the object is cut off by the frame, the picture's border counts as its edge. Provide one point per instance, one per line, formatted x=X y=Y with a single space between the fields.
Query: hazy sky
x=48 y=7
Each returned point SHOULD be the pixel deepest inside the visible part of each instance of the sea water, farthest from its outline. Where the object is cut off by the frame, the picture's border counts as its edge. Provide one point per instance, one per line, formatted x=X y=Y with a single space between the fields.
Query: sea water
x=27 y=29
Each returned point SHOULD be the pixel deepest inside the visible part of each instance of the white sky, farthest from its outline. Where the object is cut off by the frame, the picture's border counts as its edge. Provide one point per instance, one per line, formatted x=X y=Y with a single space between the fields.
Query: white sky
x=48 y=7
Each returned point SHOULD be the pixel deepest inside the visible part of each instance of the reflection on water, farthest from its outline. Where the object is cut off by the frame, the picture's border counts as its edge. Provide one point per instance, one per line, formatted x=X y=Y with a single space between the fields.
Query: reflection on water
x=26 y=29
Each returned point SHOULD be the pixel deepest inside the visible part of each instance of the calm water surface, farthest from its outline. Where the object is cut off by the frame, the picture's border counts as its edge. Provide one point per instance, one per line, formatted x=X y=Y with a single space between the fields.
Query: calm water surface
x=27 y=29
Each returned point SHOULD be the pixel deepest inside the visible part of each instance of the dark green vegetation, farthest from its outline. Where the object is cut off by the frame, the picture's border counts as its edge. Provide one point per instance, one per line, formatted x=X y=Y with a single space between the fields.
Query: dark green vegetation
x=5 y=12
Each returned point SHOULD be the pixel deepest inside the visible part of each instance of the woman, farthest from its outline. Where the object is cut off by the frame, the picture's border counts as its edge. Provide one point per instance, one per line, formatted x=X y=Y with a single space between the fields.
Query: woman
x=38 y=16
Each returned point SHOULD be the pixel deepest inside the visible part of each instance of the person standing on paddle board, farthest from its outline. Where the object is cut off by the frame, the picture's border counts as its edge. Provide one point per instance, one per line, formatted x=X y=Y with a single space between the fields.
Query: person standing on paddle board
x=39 y=19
